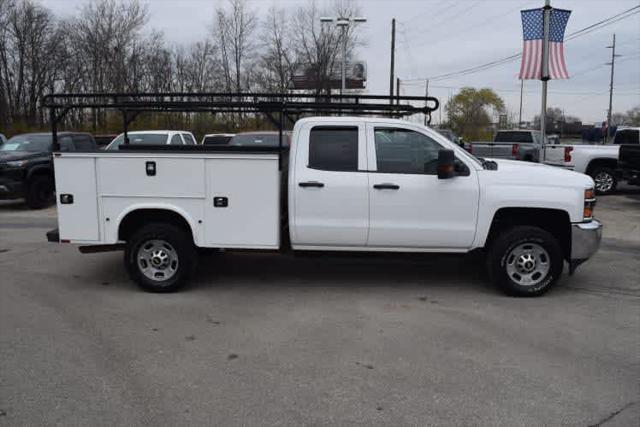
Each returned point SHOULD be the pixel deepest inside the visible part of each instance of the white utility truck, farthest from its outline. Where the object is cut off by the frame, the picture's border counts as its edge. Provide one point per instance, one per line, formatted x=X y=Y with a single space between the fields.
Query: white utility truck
x=346 y=184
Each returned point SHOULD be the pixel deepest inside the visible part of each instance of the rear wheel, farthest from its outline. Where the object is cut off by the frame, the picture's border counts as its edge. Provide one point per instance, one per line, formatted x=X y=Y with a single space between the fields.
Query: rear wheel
x=40 y=192
x=605 y=180
x=160 y=257
x=525 y=261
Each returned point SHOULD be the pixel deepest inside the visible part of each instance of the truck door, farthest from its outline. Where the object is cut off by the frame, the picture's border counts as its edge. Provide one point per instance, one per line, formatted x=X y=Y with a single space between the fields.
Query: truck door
x=410 y=206
x=329 y=197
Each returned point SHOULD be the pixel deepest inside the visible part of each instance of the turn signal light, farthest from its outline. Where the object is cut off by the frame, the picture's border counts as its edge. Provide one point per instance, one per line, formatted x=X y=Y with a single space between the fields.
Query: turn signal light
x=589 y=194
x=589 y=204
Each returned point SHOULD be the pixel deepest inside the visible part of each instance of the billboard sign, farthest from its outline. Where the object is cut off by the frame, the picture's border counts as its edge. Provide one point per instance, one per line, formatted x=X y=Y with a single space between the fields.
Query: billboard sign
x=305 y=77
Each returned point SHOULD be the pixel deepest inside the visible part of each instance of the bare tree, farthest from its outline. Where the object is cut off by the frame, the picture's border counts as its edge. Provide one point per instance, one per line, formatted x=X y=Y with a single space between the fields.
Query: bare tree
x=104 y=48
x=233 y=31
x=28 y=53
x=318 y=45
x=278 y=61
x=102 y=39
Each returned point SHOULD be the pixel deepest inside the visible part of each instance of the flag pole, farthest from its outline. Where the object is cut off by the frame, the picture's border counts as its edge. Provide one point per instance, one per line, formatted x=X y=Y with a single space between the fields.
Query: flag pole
x=544 y=75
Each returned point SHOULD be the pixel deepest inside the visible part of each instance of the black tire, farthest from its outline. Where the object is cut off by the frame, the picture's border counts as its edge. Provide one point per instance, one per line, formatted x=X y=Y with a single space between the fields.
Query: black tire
x=605 y=180
x=40 y=191
x=503 y=258
x=178 y=244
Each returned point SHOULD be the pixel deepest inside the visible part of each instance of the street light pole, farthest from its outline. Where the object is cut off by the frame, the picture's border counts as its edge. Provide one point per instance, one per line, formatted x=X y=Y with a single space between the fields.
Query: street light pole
x=344 y=24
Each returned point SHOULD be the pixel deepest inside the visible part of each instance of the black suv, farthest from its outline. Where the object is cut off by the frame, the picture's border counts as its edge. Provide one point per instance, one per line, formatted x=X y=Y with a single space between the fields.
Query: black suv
x=26 y=165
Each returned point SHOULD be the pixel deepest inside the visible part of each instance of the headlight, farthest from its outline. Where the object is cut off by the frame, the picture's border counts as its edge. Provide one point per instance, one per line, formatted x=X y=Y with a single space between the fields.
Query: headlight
x=589 y=204
x=16 y=163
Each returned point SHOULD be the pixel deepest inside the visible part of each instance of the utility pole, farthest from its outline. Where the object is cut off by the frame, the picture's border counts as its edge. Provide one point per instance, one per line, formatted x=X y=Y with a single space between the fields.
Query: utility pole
x=520 y=115
x=393 y=57
x=398 y=90
x=612 y=63
x=426 y=95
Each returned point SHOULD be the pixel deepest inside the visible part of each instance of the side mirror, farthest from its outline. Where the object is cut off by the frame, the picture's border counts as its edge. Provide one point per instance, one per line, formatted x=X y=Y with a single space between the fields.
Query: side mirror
x=446 y=164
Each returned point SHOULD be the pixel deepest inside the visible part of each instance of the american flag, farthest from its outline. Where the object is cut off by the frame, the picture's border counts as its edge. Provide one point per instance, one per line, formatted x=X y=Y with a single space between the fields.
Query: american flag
x=533 y=32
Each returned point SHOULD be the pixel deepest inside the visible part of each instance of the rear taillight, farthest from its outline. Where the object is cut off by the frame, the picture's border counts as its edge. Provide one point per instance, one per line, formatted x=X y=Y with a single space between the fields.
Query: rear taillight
x=567 y=154
x=515 y=152
x=470 y=148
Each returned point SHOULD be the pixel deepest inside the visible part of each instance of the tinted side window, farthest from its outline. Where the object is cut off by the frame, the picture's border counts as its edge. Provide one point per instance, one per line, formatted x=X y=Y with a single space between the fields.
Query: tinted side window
x=83 y=143
x=66 y=144
x=334 y=148
x=627 y=136
x=514 y=136
x=216 y=140
x=188 y=139
x=176 y=140
x=405 y=151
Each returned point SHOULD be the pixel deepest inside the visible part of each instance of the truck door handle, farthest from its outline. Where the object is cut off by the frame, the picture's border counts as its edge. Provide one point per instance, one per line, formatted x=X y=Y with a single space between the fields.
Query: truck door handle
x=386 y=186
x=311 y=184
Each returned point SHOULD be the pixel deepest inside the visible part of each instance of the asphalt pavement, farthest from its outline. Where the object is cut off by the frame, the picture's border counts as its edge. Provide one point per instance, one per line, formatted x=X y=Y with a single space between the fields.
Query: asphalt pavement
x=263 y=339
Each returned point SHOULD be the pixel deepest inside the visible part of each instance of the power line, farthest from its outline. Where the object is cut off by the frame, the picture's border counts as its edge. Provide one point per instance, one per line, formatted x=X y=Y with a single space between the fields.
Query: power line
x=447 y=16
x=488 y=21
x=558 y=92
x=436 y=13
x=586 y=30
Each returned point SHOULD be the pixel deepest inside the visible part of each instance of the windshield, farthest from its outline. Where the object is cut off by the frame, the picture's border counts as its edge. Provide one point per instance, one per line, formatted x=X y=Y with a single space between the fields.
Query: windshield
x=27 y=143
x=139 y=138
x=447 y=134
x=258 y=140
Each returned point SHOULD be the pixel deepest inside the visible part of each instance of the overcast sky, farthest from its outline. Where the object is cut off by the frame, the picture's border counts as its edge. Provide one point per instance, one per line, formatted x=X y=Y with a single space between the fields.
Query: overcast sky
x=436 y=37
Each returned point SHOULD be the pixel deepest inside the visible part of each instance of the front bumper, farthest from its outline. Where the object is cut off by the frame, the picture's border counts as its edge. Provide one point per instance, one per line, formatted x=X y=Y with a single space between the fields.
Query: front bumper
x=585 y=241
x=11 y=182
x=10 y=189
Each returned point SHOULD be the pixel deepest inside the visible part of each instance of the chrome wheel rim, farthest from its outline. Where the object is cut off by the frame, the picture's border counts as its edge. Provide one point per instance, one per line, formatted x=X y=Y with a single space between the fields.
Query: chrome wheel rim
x=528 y=264
x=603 y=181
x=157 y=260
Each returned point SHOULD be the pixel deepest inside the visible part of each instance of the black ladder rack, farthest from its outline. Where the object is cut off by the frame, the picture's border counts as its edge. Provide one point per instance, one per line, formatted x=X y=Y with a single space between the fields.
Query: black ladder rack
x=284 y=106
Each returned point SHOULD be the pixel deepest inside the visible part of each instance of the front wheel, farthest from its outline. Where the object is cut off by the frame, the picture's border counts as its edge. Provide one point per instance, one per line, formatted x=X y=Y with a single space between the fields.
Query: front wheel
x=605 y=180
x=160 y=257
x=525 y=261
x=40 y=192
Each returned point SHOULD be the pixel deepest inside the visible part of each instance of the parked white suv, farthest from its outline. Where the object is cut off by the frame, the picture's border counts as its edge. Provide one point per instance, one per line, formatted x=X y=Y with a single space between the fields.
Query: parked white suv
x=157 y=137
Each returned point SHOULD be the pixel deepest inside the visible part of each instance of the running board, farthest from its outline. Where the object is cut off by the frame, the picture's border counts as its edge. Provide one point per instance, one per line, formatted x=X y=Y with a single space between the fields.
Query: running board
x=101 y=248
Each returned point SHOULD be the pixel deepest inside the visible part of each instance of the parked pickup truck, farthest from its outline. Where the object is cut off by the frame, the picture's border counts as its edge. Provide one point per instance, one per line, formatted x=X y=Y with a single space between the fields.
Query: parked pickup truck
x=26 y=165
x=169 y=137
x=598 y=161
x=352 y=184
x=629 y=164
x=510 y=144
